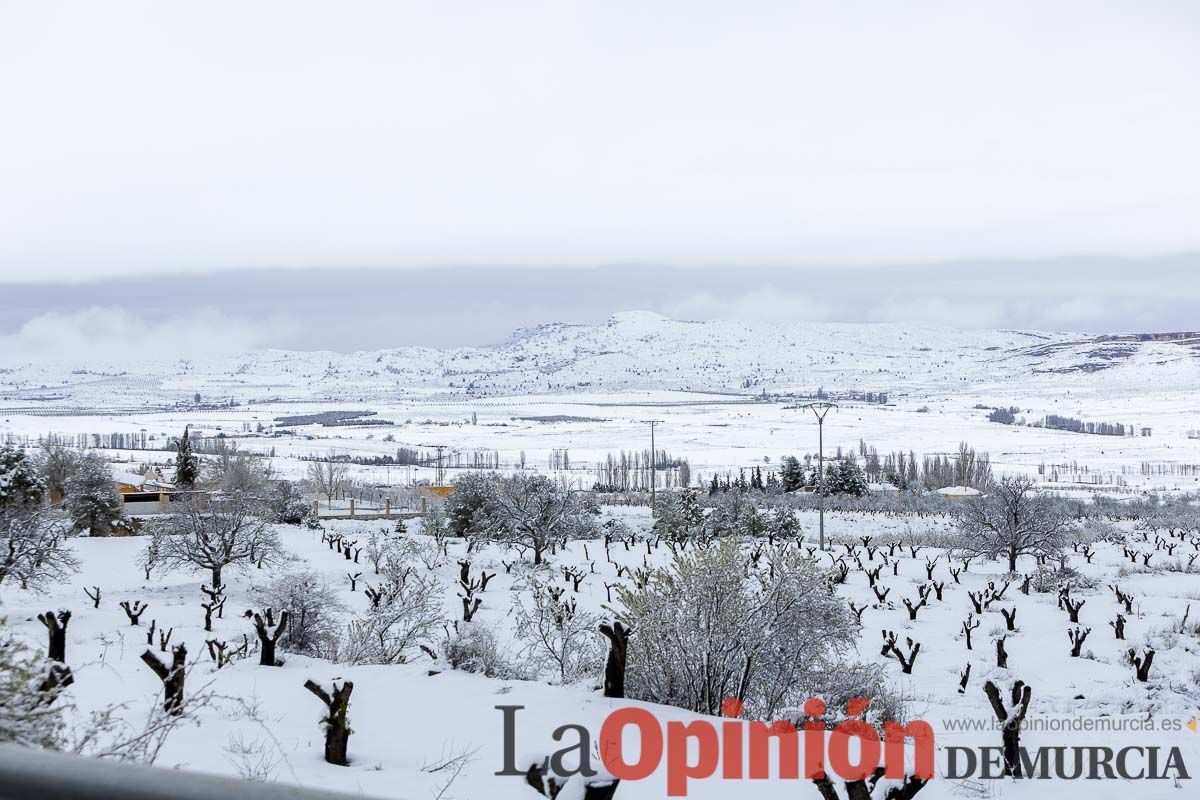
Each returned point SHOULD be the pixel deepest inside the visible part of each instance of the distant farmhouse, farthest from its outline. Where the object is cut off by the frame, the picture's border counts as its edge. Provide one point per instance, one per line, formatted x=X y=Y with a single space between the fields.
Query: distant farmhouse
x=144 y=494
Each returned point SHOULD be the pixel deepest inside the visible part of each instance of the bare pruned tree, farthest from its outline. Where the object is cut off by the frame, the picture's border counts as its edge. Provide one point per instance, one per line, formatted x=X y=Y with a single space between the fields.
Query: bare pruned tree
x=704 y=632
x=33 y=549
x=379 y=546
x=328 y=477
x=234 y=470
x=337 y=727
x=532 y=512
x=408 y=612
x=213 y=534
x=314 y=608
x=172 y=677
x=560 y=638
x=57 y=464
x=1013 y=520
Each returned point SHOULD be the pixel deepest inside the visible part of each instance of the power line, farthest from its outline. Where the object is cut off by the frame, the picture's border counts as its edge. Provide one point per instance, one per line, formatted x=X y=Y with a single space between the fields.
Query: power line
x=440 y=473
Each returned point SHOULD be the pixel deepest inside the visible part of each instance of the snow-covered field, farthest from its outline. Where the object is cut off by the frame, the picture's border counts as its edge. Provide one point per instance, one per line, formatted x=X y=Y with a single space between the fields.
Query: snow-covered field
x=715 y=433
x=725 y=391
x=406 y=720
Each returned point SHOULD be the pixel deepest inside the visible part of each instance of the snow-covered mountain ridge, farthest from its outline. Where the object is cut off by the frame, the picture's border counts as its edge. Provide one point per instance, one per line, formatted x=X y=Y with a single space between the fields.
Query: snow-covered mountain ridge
x=635 y=351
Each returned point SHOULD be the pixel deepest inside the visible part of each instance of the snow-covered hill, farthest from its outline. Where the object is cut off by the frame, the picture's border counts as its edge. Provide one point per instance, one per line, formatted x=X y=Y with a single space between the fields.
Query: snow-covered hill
x=631 y=351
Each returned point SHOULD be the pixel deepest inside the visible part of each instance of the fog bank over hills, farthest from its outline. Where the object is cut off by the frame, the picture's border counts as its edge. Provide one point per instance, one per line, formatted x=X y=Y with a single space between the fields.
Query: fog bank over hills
x=368 y=309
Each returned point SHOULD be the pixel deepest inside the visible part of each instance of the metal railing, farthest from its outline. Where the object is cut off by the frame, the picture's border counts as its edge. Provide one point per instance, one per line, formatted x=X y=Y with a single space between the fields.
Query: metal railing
x=27 y=774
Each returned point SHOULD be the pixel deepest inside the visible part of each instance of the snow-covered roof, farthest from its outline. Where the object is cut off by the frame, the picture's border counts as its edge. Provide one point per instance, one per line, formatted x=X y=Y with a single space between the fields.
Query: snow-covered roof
x=129 y=479
x=140 y=481
x=881 y=487
x=958 y=491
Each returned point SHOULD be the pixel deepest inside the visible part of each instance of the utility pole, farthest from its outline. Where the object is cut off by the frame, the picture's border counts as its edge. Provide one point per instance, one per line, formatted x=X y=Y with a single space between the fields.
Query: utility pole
x=820 y=410
x=440 y=472
x=653 y=460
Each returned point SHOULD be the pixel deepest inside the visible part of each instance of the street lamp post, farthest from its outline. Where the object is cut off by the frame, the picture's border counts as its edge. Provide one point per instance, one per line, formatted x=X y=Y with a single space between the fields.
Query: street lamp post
x=820 y=410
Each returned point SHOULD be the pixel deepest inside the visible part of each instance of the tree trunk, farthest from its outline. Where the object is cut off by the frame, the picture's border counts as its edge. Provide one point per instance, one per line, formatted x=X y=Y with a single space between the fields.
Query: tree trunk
x=58 y=676
x=171 y=677
x=57 y=649
x=600 y=789
x=614 y=669
x=1011 y=718
x=56 y=627
x=337 y=727
x=1010 y=737
x=865 y=789
x=216 y=577
x=337 y=740
x=267 y=639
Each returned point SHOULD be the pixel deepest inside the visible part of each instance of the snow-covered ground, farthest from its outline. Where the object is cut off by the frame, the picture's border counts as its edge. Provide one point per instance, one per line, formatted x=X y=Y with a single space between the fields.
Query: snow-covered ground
x=634 y=351
x=725 y=391
x=405 y=720
x=715 y=433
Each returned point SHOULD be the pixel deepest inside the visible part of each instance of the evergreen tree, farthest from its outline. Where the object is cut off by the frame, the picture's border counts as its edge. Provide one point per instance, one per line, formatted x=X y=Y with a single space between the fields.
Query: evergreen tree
x=92 y=502
x=20 y=484
x=830 y=484
x=791 y=474
x=677 y=516
x=813 y=478
x=715 y=486
x=689 y=507
x=848 y=478
x=466 y=508
x=752 y=523
x=286 y=505
x=786 y=525
x=187 y=466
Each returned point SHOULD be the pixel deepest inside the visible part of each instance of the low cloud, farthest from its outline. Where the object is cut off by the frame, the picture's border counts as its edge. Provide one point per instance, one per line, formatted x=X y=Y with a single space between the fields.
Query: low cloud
x=1085 y=295
x=365 y=309
x=109 y=334
x=766 y=303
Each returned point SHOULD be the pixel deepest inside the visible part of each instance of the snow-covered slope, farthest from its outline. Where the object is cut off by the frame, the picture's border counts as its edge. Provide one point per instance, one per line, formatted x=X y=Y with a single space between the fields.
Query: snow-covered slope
x=631 y=351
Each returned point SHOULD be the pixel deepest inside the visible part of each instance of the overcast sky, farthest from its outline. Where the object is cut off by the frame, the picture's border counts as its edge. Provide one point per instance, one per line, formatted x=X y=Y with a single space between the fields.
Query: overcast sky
x=750 y=140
